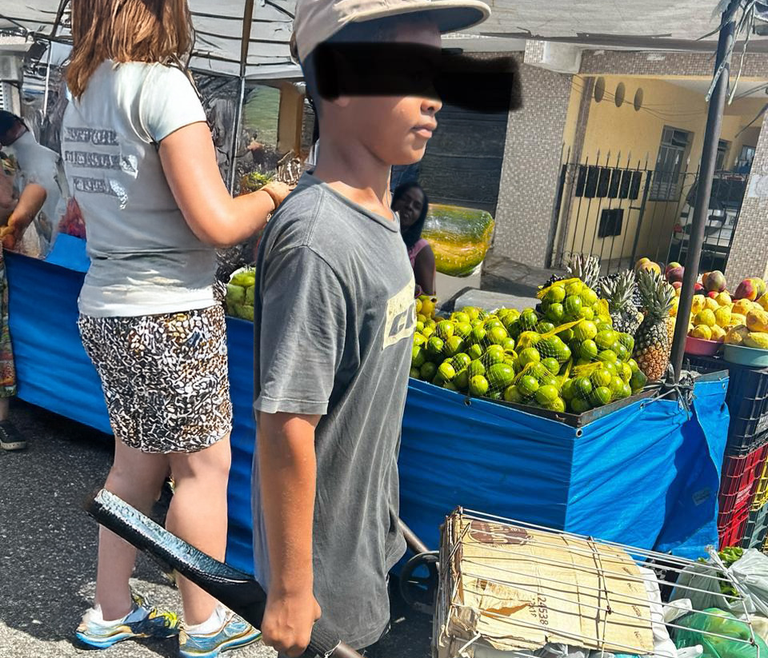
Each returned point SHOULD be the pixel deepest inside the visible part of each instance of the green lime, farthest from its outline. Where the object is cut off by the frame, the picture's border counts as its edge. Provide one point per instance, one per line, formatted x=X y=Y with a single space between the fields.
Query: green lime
x=621 y=351
x=418 y=357
x=477 y=323
x=606 y=320
x=600 y=378
x=493 y=322
x=566 y=335
x=574 y=289
x=626 y=392
x=609 y=356
x=476 y=368
x=585 y=330
x=461 y=380
x=555 y=295
x=428 y=371
x=478 y=334
x=472 y=312
x=582 y=362
x=508 y=344
x=475 y=351
x=600 y=396
x=573 y=306
x=435 y=346
x=500 y=375
x=447 y=371
x=588 y=350
x=587 y=312
x=511 y=394
x=419 y=339
x=461 y=360
x=639 y=380
x=580 y=405
x=496 y=395
x=528 y=386
x=478 y=385
x=464 y=329
x=529 y=355
x=460 y=317
x=557 y=405
x=453 y=346
x=611 y=367
x=511 y=361
x=445 y=329
x=564 y=354
x=616 y=386
x=588 y=296
x=551 y=364
x=415 y=373
x=625 y=372
x=633 y=365
x=427 y=331
x=450 y=386
x=497 y=335
x=582 y=387
x=546 y=394
x=528 y=319
x=627 y=341
x=556 y=313
x=494 y=354
x=569 y=389
x=544 y=327
x=419 y=327
x=605 y=338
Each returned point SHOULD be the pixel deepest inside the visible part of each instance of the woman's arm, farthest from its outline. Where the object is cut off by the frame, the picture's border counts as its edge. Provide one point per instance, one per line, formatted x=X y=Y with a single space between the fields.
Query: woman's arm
x=30 y=202
x=189 y=164
x=424 y=270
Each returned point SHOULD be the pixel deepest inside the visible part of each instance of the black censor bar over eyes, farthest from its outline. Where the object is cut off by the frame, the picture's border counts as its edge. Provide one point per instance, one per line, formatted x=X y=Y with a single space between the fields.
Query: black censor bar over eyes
x=399 y=69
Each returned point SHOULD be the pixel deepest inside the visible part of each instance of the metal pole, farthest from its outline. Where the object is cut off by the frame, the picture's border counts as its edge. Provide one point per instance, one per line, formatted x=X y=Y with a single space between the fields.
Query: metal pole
x=245 y=43
x=707 y=171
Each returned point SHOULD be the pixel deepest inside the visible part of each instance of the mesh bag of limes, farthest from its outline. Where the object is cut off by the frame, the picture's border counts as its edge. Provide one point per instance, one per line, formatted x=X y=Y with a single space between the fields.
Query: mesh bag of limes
x=564 y=355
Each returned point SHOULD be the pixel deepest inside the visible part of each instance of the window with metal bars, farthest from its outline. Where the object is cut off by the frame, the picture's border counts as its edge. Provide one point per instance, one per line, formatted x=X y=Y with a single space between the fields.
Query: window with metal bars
x=666 y=182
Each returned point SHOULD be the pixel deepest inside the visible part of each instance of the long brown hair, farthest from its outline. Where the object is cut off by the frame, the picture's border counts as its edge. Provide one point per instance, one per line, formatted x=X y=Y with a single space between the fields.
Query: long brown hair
x=126 y=31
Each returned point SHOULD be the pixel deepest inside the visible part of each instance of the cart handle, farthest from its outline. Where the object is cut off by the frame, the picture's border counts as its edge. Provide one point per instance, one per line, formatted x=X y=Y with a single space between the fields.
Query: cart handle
x=234 y=588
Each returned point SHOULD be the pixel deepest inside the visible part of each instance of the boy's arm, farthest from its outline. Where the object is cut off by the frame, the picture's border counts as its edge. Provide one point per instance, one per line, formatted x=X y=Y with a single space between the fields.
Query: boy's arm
x=287 y=466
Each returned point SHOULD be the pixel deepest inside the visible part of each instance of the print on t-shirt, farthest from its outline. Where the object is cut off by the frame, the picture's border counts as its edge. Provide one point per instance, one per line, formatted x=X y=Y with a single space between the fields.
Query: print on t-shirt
x=401 y=316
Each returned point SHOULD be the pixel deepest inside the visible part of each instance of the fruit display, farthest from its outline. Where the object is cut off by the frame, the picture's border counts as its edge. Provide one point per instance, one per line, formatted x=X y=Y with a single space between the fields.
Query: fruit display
x=459 y=237
x=565 y=356
x=72 y=222
x=240 y=291
x=619 y=292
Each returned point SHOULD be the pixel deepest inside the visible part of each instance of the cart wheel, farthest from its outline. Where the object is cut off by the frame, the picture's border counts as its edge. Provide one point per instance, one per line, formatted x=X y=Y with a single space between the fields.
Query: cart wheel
x=419 y=590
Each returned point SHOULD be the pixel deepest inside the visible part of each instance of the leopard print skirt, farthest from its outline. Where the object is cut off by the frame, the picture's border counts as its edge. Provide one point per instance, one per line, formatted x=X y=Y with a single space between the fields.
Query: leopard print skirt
x=164 y=377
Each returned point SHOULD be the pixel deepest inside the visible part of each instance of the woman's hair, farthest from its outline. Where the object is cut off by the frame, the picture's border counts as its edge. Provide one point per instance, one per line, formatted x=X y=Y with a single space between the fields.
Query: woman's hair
x=150 y=31
x=413 y=234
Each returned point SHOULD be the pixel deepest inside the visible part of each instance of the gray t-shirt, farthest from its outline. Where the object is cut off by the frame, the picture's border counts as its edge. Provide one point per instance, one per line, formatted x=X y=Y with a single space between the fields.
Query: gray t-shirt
x=145 y=259
x=334 y=318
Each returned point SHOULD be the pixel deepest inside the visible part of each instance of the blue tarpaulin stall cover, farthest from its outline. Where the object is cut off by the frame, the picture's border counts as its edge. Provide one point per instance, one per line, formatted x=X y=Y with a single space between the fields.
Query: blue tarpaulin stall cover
x=645 y=475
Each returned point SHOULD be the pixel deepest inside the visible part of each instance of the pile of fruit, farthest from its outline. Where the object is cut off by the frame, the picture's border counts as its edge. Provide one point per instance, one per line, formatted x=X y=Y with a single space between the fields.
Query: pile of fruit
x=240 y=291
x=72 y=222
x=565 y=355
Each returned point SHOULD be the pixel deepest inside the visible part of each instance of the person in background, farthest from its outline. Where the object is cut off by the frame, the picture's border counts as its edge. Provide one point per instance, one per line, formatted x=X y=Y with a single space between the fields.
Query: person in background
x=141 y=162
x=410 y=202
x=40 y=166
x=18 y=209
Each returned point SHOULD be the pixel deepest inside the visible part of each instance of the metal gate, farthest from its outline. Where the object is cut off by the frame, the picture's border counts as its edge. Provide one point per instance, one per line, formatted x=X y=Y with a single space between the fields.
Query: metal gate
x=621 y=211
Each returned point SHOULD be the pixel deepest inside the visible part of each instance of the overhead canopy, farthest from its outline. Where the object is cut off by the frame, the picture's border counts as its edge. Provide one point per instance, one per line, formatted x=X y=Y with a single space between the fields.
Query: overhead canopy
x=662 y=24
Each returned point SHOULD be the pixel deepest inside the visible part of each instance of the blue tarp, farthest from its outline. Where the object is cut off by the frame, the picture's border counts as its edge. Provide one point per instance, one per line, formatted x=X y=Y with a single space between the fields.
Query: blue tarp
x=646 y=475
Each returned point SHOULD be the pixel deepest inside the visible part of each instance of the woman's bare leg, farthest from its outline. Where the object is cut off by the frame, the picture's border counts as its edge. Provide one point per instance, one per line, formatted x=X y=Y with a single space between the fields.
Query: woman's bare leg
x=198 y=514
x=136 y=477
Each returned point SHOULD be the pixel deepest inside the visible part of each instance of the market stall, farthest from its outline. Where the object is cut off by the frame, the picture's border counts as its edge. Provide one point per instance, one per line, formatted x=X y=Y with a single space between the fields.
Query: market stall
x=646 y=472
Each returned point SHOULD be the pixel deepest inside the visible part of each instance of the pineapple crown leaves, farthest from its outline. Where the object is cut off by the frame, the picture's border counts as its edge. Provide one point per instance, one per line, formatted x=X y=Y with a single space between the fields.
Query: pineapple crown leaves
x=585 y=267
x=656 y=293
x=619 y=290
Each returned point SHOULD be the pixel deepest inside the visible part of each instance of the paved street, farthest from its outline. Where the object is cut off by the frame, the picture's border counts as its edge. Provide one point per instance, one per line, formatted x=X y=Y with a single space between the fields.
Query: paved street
x=48 y=549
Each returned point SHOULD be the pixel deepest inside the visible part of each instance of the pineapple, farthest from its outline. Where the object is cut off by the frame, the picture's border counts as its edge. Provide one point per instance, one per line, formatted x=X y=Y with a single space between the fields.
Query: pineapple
x=619 y=292
x=652 y=340
x=586 y=268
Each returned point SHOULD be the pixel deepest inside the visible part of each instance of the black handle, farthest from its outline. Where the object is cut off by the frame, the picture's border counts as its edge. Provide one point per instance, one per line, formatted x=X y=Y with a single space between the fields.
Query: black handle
x=234 y=588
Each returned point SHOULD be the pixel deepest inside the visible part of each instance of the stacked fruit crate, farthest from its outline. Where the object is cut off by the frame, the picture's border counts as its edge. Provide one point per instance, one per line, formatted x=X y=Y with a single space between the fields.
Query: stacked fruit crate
x=743 y=515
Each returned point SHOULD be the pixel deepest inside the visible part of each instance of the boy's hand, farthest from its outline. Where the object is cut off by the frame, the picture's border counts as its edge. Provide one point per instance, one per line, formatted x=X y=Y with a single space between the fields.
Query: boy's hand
x=288 y=621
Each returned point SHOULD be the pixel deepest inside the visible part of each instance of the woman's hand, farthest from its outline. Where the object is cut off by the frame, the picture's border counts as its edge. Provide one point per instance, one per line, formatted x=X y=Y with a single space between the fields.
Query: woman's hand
x=288 y=621
x=277 y=191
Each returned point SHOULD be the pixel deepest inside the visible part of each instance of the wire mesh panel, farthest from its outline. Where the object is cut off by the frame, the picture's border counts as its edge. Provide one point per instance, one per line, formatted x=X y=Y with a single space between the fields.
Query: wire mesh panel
x=515 y=589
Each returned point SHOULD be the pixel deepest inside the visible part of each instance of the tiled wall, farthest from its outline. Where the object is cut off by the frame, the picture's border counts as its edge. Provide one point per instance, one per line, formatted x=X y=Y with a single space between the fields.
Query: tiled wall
x=749 y=250
x=531 y=167
x=661 y=64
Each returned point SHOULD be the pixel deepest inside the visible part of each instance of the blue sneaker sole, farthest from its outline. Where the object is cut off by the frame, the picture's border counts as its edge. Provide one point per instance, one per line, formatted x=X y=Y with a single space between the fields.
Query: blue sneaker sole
x=94 y=643
x=234 y=643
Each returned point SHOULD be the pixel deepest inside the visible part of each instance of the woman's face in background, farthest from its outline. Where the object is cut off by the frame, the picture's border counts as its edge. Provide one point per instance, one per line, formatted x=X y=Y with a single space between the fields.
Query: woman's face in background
x=409 y=207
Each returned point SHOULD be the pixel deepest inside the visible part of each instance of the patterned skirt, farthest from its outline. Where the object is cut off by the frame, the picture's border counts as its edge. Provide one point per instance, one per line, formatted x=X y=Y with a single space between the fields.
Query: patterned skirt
x=7 y=367
x=164 y=377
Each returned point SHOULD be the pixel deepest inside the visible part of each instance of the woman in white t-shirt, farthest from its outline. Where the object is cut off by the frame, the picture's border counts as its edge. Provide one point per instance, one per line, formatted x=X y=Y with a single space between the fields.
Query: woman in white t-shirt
x=141 y=164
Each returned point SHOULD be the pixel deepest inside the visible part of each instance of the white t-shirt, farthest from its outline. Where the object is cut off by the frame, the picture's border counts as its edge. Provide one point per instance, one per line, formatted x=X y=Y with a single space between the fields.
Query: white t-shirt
x=145 y=260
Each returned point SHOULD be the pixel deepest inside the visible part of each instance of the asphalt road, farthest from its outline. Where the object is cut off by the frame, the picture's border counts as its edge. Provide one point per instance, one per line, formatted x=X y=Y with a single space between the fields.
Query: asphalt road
x=48 y=550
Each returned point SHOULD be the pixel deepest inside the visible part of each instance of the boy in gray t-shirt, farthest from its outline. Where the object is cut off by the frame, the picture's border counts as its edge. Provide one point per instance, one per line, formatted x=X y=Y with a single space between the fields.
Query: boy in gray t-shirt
x=334 y=318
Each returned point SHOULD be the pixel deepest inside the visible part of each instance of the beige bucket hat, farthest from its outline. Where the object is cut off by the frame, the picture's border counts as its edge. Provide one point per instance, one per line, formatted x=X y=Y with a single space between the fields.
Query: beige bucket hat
x=318 y=20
